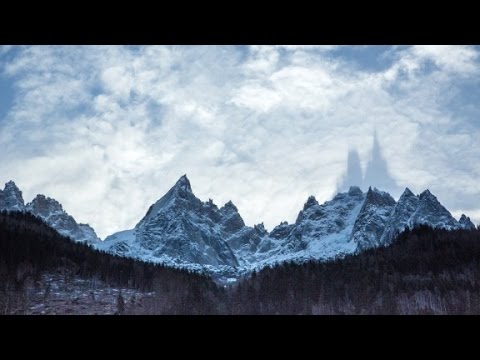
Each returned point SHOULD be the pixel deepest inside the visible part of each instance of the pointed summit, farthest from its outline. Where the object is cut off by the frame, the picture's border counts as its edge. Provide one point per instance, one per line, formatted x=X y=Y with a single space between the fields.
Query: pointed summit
x=407 y=193
x=229 y=206
x=180 y=196
x=11 y=185
x=310 y=202
x=431 y=212
x=183 y=183
x=44 y=206
x=372 y=218
x=466 y=223
x=180 y=226
x=11 y=198
x=231 y=219
x=375 y=196
x=427 y=194
x=260 y=229
x=51 y=211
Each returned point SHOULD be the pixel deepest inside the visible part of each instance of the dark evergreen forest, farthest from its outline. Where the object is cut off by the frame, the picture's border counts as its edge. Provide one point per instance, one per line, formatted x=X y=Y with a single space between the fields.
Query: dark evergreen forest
x=425 y=271
x=30 y=248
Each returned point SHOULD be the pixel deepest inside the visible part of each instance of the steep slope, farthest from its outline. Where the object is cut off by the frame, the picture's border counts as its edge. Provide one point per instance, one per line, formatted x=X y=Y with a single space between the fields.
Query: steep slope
x=51 y=211
x=432 y=213
x=466 y=223
x=423 y=209
x=320 y=231
x=11 y=198
x=181 y=229
x=401 y=216
x=372 y=219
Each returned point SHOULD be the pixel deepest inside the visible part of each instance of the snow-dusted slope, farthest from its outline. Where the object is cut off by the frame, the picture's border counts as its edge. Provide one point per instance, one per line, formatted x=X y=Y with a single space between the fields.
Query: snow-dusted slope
x=372 y=219
x=320 y=231
x=466 y=223
x=51 y=211
x=180 y=230
x=11 y=198
x=414 y=210
x=48 y=210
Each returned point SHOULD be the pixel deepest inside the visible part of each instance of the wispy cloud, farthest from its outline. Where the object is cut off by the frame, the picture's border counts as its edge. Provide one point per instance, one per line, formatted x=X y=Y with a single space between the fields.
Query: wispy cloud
x=107 y=130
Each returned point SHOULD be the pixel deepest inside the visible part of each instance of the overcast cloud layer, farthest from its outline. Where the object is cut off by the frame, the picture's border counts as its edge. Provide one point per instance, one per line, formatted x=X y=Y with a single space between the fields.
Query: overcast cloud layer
x=108 y=130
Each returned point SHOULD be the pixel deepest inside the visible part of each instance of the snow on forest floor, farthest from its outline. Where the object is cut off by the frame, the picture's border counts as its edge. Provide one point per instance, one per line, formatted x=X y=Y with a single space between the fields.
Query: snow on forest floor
x=63 y=295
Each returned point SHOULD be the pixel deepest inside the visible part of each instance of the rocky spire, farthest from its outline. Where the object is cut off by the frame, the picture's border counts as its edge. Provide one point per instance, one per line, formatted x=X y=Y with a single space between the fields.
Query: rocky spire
x=44 y=206
x=11 y=198
x=183 y=184
x=310 y=202
x=466 y=223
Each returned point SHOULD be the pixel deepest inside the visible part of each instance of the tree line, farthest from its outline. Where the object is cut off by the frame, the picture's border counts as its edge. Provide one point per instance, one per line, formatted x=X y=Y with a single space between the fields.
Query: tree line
x=425 y=271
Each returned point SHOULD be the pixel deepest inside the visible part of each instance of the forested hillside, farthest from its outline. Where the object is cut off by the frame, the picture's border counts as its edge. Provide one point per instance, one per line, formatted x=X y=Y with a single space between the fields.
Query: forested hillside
x=29 y=249
x=425 y=271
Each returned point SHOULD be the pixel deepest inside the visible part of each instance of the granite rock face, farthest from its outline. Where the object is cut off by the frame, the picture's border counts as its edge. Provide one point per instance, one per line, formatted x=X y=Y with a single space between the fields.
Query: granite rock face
x=11 y=198
x=181 y=230
x=49 y=210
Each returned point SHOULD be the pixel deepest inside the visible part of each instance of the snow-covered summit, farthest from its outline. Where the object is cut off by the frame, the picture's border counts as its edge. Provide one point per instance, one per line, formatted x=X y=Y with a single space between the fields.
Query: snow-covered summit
x=51 y=211
x=181 y=230
x=11 y=198
x=466 y=223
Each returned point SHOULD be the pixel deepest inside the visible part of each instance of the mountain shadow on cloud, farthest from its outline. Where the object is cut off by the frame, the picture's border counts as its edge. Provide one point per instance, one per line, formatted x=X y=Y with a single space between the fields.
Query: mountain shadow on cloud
x=376 y=173
x=353 y=175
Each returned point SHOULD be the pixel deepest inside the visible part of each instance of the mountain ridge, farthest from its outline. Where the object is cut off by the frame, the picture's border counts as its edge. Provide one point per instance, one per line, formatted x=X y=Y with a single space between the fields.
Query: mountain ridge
x=180 y=230
x=49 y=210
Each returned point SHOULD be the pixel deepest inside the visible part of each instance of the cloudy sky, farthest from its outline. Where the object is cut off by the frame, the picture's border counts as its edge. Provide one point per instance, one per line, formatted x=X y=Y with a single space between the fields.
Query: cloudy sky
x=108 y=130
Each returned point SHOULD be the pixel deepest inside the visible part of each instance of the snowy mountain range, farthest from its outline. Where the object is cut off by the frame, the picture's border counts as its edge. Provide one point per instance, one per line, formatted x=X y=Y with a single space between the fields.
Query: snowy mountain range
x=180 y=230
x=49 y=210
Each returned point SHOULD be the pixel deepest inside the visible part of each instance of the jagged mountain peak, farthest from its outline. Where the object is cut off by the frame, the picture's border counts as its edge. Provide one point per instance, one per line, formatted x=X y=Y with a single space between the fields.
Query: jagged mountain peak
x=466 y=223
x=229 y=207
x=260 y=229
x=407 y=193
x=230 y=218
x=427 y=195
x=11 y=185
x=181 y=189
x=52 y=212
x=372 y=218
x=11 y=198
x=180 y=229
x=375 y=196
x=49 y=210
x=45 y=203
x=311 y=201
x=180 y=196
x=183 y=183
x=210 y=204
